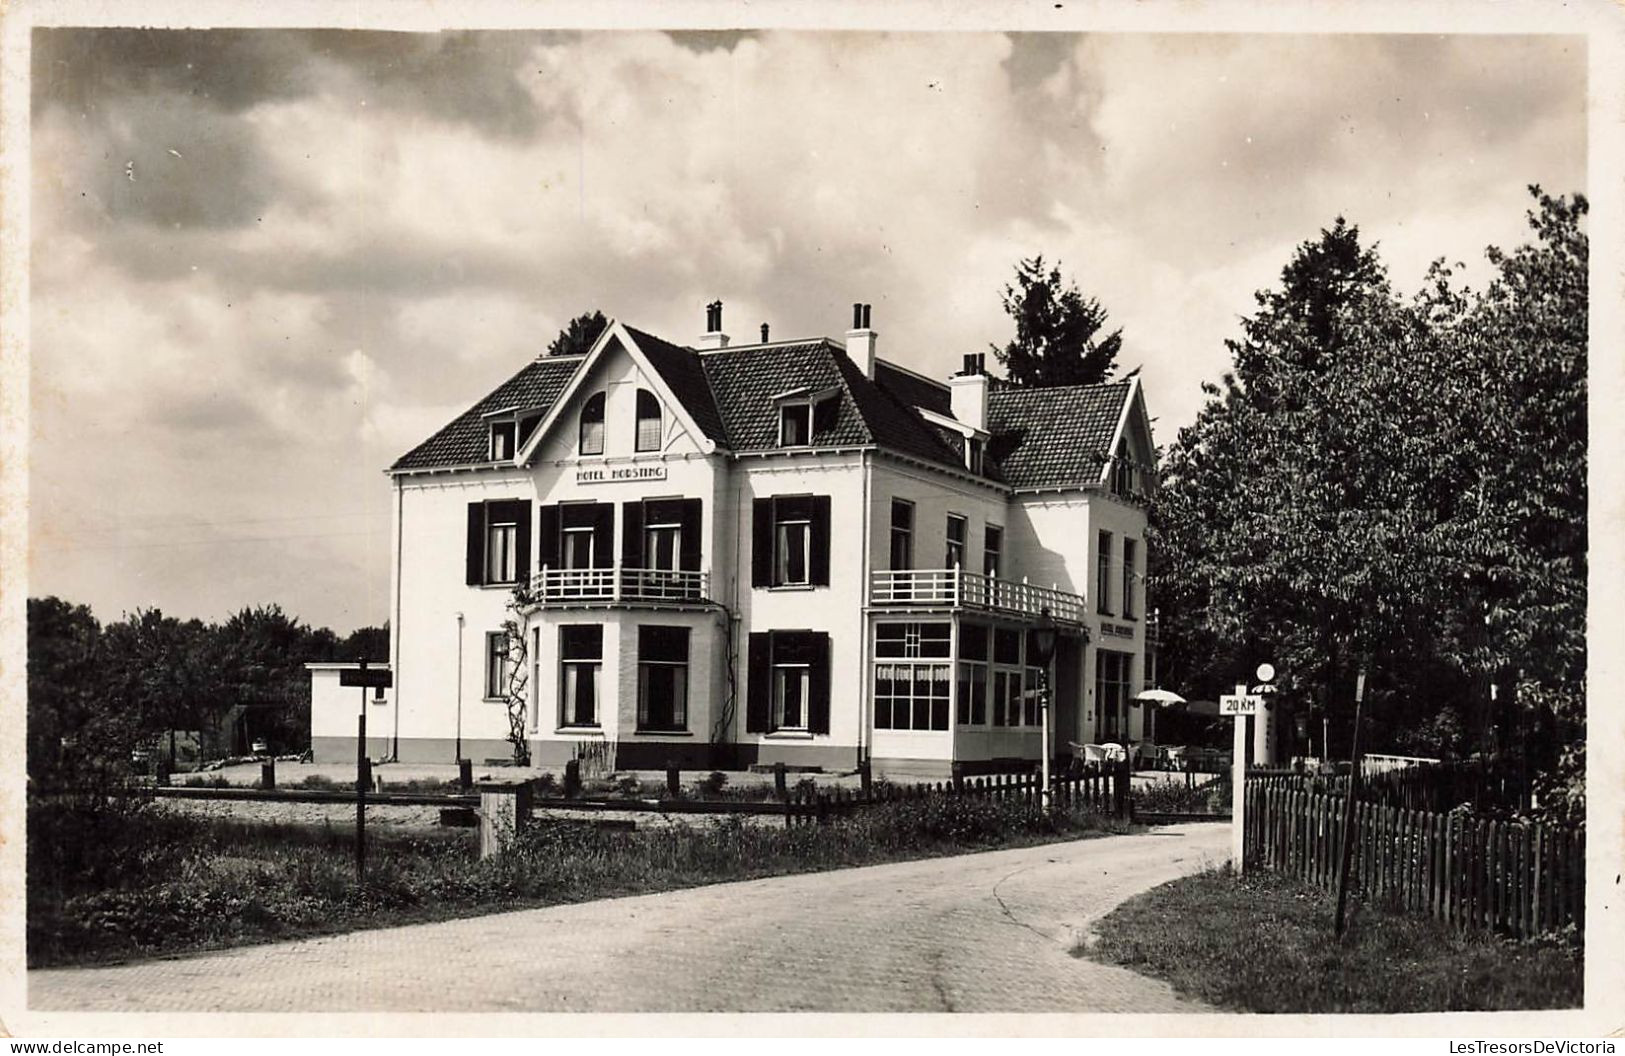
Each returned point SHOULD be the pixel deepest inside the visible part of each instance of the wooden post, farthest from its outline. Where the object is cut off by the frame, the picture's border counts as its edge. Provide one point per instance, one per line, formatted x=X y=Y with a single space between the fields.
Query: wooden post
x=1348 y=808
x=268 y=774
x=865 y=779
x=674 y=779
x=1238 y=789
x=363 y=777
x=779 y=787
x=504 y=812
x=572 y=778
x=465 y=774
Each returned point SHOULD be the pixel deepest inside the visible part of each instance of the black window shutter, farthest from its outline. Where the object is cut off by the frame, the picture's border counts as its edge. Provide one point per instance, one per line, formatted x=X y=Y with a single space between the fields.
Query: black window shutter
x=818 y=677
x=759 y=682
x=691 y=519
x=476 y=544
x=522 y=540
x=761 y=543
x=632 y=534
x=818 y=574
x=548 y=535
x=603 y=535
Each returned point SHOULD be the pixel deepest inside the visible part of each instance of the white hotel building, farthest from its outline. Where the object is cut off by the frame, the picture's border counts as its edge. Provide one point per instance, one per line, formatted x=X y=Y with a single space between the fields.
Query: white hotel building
x=790 y=550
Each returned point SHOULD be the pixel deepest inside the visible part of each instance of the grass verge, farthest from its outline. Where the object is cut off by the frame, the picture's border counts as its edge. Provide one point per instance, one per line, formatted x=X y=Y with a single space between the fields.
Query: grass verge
x=129 y=879
x=1263 y=943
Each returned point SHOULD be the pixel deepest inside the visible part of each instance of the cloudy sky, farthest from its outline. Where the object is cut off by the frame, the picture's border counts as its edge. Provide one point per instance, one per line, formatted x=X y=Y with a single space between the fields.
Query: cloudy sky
x=265 y=262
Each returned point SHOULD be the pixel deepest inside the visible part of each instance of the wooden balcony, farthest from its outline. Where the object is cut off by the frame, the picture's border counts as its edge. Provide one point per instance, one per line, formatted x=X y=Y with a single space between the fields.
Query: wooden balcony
x=657 y=587
x=954 y=588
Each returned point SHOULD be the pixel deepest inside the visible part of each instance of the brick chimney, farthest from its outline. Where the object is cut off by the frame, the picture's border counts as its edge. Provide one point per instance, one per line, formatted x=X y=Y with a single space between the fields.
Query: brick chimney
x=860 y=340
x=713 y=336
x=968 y=391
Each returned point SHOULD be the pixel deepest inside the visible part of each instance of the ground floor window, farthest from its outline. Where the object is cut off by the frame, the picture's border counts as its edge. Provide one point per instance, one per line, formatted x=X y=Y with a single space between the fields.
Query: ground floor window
x=662 y=678
x=496 y=665
x=972 y=693
x=1112 y=694
x=788 y=687
x=581 y=660
x=792 y=687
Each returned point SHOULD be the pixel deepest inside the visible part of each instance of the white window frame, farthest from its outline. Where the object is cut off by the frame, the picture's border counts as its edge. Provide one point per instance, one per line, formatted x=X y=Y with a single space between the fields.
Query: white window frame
x=949 y=544
x=681 y=683
x=494 y=450
x=639 y=419
x=905 y=534
x=570 y=671
x=1103 y=572
x=784 y=411
x=652 y=534
x=567 y=551
x=496 y=665
x=1130 y=557
x=782 y=673
x=501 y=561
x=782 y=546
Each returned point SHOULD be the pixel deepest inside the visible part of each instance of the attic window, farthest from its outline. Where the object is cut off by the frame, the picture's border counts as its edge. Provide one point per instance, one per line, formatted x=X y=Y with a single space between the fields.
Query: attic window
x=802 y=419
x=974 y=449
x=592 y=425
x=1123 y=477
x=502 y=441
x=795 y=425
x=527 y=425
x=648 y=438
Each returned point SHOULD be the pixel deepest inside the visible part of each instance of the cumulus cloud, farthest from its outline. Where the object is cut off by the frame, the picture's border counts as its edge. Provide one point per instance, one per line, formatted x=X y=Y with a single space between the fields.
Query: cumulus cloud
x=268 y=262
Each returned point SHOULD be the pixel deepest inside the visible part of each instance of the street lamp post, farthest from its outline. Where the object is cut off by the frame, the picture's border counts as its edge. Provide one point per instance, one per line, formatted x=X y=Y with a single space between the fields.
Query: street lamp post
x=1043 y=646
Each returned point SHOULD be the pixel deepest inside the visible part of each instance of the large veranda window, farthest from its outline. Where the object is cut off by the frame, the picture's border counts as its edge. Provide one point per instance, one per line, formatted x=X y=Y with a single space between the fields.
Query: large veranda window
x=972 y=697
x=912 y=676
x=662 y=679
x=1007 y=670
x=1112 y=671
x=581 y=659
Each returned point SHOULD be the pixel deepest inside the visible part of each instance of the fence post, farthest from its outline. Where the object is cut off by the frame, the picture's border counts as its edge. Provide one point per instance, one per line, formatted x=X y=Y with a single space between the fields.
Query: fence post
x=572 y=778
x=268 y=774
x=674 y=779
x=465 y=774
x=1120 y=800
x=865 y=777
x=779 y=787
x=823 y=809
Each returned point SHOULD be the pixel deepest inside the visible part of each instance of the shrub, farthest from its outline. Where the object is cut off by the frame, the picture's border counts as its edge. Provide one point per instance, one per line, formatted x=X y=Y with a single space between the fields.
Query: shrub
x=713 y=783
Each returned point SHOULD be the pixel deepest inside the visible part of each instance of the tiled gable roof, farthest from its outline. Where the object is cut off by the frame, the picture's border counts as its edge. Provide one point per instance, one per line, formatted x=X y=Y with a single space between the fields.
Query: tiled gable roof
x=1040 y=438
x=466 y=440
x=680 y=369
x=744 y=381
x=1055 y=437
x=912 y=390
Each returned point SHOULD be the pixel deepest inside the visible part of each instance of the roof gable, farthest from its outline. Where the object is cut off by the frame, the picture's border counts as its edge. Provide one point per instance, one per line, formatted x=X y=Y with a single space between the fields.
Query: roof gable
x=616 y=336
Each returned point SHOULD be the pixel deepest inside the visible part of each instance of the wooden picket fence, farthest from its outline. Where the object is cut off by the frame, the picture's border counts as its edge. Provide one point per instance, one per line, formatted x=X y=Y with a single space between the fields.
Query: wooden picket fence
x=1104 y=792
x=1522 y=879
x=1431 y=787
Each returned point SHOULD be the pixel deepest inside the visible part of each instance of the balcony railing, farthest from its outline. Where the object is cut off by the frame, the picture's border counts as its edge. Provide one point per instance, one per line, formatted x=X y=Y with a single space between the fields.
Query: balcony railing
x=956 y=588
x=643 y=586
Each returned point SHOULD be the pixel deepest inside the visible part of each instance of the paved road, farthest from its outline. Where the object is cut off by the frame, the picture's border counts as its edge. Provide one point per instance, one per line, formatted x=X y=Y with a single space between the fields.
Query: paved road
x=985 y=932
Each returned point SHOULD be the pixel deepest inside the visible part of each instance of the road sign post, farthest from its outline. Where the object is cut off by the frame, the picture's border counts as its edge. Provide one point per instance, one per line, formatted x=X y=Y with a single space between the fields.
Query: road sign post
x=1242 y=705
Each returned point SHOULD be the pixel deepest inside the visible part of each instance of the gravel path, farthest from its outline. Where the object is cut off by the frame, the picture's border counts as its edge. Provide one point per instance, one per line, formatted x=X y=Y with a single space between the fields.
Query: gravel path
x=988 y=932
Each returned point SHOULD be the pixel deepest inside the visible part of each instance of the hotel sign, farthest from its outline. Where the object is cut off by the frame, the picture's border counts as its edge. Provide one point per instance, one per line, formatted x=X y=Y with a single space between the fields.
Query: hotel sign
x=1116 y=630
x=621 y=474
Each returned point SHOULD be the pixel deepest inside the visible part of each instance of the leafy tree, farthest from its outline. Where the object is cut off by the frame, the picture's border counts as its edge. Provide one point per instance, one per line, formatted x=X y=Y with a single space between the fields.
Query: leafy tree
x=1058 y=339
x=369 y=642
x=1399 y=486
x=576 y=338
x=64 y=703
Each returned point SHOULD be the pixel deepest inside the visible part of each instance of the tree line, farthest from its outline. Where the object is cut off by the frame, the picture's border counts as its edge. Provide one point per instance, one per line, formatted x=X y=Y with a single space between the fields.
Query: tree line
x=100 y=693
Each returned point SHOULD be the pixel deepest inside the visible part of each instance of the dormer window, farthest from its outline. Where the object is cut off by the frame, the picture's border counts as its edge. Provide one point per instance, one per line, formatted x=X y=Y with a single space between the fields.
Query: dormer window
x=795 y=425
x=592 y=425
x=502 y=441
x=648 y=438
x=527 y=425
x=974 y=451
